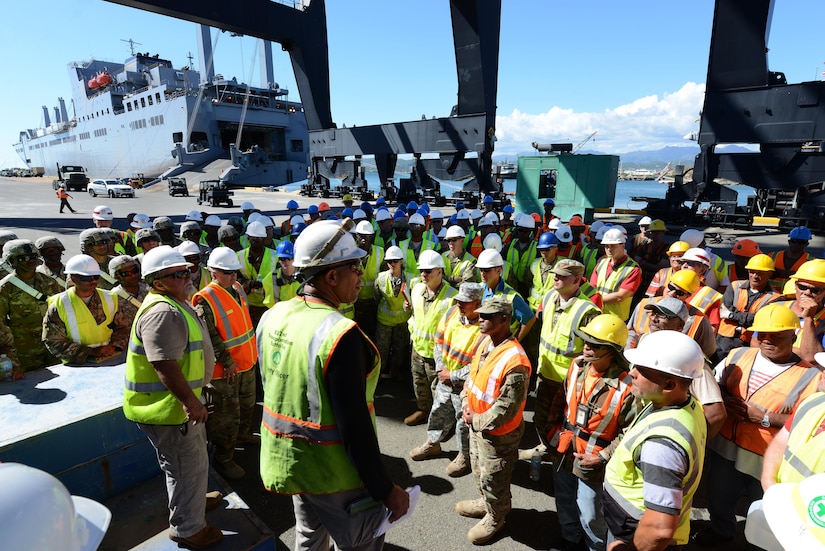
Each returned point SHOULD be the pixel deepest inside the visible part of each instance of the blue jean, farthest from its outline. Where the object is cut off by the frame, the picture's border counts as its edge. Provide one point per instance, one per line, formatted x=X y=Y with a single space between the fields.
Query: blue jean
x=579 y=508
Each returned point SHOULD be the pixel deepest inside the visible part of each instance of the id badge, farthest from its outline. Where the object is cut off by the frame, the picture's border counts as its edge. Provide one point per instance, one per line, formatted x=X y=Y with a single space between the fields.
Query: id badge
x=582 y=415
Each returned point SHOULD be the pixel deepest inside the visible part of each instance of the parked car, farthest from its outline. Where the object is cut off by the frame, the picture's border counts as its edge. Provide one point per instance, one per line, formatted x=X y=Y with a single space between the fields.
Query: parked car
x=112 y=188
x=177 y=186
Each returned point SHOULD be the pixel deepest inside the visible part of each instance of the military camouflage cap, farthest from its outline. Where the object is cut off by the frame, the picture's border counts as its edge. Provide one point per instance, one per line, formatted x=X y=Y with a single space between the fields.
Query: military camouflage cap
x=146 y=233
x=469 y=292
x=48 y=241
x=6 y=236
x=119 y=262
x=496 y=305
x=227 y=231
x=18 y=247
x=163 y=223
x=568 y=267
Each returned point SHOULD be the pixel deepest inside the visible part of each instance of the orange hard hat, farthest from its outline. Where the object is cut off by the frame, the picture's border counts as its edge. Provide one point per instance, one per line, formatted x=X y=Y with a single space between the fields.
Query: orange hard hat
x=323 y=206
x=576 y=221
x=536 y=217
x=746 y=247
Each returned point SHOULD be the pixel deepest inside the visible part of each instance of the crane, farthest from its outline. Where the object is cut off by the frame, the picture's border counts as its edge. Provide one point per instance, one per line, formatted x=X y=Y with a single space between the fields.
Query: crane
x=584 y=141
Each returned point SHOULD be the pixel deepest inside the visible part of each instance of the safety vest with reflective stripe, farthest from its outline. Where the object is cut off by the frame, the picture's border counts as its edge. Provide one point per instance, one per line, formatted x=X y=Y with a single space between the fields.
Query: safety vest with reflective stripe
x=485 y=380
x=521 y=260
x=603 y=422
x=777 y=283
x=741 y=290
x=289 y=290
x=659 y=282
x=145 y=398
x=466 y=260
x=611 y=284
x=391 y=307
x=589 y=257
x=81 y=327
x=704 y=299
x=234 y=325
x=301 y=448
x=476 y=246
x=423 y=324
x=805 y=452
x=539 y=287
x=458 y=341
x=264 y=276
x=371 y=270
x=347 y=309
x=686 y=427
x=779 y=395
x=558 y=344
x=720 y=267
x=410 y=256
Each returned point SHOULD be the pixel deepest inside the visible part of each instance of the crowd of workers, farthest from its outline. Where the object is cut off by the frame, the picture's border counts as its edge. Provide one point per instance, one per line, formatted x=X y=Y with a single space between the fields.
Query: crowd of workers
x=656 y=365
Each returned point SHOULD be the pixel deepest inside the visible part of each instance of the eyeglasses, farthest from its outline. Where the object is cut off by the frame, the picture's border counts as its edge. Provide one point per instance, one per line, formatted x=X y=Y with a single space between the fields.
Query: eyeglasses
x=660 y=315
x=127 y=273
x=354 y=266
x=813 y=290
x=86 y=279
x=226 y=272
x=797 y=241
x=676 y=291
x=180 y=274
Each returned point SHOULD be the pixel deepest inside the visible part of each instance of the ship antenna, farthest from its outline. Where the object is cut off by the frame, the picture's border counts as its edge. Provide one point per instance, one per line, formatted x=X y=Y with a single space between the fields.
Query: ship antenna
x=190 y=57
x=132 y=44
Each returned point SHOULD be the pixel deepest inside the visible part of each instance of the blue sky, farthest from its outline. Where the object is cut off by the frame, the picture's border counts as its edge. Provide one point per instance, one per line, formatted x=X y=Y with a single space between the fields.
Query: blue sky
x=634 y=71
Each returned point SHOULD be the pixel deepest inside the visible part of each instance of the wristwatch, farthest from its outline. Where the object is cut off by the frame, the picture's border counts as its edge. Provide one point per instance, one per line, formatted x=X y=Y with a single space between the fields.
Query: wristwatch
x=766 y=420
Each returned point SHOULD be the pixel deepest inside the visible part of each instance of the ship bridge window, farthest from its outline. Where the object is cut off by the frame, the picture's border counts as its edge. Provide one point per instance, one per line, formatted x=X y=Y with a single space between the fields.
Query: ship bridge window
x=143 y=102
x=157 y=97
x=128 y=106
x=150 y=100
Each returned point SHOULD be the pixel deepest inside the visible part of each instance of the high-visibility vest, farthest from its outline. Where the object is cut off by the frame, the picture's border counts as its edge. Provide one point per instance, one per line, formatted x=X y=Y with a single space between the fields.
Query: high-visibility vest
x=510 y=294
x=719 y=266
x=779 y=395
x=476 y=246
x=804 y=454
x=81 y=327
x=423 y=324
x=145 y=398
x=611 y=284
x=661 y=279
x=456 y=269
x=301 y=446
x=485 y=380
x=521 y=260
x=233 y=323
x=641 y=324
x=704 y=299
x=558 y=344
x=603 y=424
x=589 y=256
x=539 y=287
x=458 y=341
x=264 y=276
x=286 y=291
x=371 y=269
x=410 y=257
x=734 y=275
x=391 y=307
x=779 y=260
x=687 y=428
x=347 y=309
x=741 y=291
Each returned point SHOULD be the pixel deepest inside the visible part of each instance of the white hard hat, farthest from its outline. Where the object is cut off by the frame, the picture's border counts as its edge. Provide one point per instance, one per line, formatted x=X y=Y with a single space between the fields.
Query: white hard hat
x=359 y=214
x=188 y=248
x=793 y=511
x=382 y=214
x=188 y=226
x=621 y=229
x=430 y=259
x=491 y=216
x=554 y=224
x=436 y=214
x=247 y=205
x=670 y=352
x=140 y=221
x=489 y=258
x=564 y=233
x=484 y=222
x=394 y=253
x=613 y=236
x=102 y=212
x=212 y=220
x=596 y=226
x=324 y=243
x=37 y=512
x=364 y=227
x=476 y=214
x=266 y=221
x=697 y=254
x=254 y=217
x=463 y=214
x=224 y=258
x=600 y=233
x=256 y=229
x=645 y=221
x=82 y=264
x=455 y=231
x=194 y=215
x=493 y=242
x=526 y=221
x=296 y=219
x=417 y=219
x=692 y=237
x=160 y=258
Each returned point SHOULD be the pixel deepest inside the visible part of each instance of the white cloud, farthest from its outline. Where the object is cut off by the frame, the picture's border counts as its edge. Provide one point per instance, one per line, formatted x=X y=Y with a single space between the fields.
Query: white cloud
x=649 y=122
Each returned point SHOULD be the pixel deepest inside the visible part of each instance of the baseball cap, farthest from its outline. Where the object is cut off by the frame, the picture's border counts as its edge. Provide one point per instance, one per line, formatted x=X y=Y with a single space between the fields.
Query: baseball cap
x=568 y=267
x=496 y=305
x=468 y=292
x=671 y=307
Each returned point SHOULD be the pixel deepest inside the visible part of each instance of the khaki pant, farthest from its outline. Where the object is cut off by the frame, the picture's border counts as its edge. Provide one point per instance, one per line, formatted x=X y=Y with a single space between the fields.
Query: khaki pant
x=494 y=459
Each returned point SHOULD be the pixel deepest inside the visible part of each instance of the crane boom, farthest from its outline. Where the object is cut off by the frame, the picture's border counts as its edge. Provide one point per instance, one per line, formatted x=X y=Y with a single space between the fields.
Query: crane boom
x=584 y=141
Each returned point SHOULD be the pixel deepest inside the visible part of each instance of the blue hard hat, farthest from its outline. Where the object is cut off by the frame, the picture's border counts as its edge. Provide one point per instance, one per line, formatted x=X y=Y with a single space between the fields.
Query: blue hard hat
x=346 y=213
x=423 y=212
x=549 y=202
x=285 y=249
x=366 y=207
x=426 y=207
x=487 y=199
x=800 y=232
x=380 y=202
x=399 y=214
x=459 y=205
x=453 y=219
x=412 y=205
x=547 y=240
x=298 y=228
x=508 y=208
x=292 y=204
x=313 y=209
x=383 y=207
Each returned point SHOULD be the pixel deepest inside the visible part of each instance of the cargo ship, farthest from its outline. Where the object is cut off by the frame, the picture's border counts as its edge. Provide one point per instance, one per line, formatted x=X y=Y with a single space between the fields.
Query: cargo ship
x=146 y=116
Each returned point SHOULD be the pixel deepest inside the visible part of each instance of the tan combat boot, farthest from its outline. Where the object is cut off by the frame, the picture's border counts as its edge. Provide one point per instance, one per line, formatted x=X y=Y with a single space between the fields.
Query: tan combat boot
x=426 y=450
x=473 y=508
x=484 y=531
x=458 y=466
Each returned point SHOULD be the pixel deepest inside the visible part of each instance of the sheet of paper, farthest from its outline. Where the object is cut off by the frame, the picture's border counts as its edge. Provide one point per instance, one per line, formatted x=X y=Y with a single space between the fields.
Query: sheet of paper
x=414 y=492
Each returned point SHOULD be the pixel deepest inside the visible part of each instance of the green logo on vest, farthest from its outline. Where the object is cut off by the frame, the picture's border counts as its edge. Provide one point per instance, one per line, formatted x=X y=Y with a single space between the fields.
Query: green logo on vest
x=276 y=357
x=816 y=511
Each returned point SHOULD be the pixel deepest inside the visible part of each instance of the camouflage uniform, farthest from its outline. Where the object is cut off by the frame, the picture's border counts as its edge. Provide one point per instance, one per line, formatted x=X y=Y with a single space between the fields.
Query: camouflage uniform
x=234 y=402
x=392 y=342
x=57 y=340
x=59 y=276
x=126 y=306
x=22 y=315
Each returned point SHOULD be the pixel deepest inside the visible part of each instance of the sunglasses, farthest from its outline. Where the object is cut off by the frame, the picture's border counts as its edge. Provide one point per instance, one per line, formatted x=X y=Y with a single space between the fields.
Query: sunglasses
x=813 y=290
x=101 y=242
x=227 y=272
x=27 y=257
x=356 y=267
x=453 y=239
x=87 y=279
x=660 y=315
x=596 y=346
x=484 y=270
x=180 y=274
x=393 y=261
x=127 y=273
x=797 y=241
x=426 y=271
x=676 y=291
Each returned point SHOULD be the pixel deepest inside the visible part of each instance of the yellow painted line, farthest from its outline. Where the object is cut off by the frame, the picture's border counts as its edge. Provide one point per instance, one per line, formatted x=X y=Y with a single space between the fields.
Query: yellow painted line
x=767 y=221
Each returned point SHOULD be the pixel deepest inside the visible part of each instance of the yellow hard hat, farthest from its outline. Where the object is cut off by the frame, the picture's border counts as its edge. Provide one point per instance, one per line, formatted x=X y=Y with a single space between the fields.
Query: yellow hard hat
x=605 y=329
x=687 y=280
x=774 y=318
x=657 y=225
x=678 y=247
x=760 y=263
x=812 y=270
x=789 y=290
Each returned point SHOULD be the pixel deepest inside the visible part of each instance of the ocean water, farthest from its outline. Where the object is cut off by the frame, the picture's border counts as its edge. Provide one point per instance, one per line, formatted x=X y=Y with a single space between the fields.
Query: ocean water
x=625 y=189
